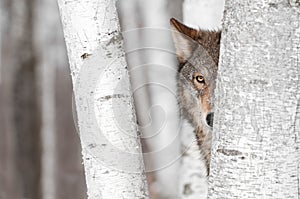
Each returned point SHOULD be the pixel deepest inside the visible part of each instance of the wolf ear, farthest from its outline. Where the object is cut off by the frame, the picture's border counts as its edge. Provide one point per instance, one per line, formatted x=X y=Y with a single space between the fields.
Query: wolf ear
x=183 y=38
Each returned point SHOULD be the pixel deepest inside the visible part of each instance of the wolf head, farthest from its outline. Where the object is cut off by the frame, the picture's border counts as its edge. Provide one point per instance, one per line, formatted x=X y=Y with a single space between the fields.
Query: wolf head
x=198 y=55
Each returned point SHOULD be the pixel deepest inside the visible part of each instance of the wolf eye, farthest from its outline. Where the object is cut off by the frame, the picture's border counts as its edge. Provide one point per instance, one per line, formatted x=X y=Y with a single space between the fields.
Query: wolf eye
x=200 y=79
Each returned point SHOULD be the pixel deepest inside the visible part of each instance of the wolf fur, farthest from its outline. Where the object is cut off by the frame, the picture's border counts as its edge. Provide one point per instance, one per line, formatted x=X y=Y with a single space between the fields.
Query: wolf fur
x=198 y=55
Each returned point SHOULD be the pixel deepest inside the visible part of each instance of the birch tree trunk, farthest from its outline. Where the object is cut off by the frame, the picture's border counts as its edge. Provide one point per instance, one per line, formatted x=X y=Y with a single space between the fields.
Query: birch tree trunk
x=111 y=149
x=159 y=61
x=25 y=100
x=142 y=23
x=206 y=14
x=8 y=167
x=131 y=25
x=255 y=152
x=46 y=51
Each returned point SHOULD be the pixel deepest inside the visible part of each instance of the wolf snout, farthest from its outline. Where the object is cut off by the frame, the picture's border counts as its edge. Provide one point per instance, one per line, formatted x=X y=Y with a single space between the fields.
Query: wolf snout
x=210 y=119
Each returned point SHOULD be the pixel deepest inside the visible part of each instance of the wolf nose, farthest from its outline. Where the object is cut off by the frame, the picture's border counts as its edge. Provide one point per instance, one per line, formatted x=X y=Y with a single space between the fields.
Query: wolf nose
x=210 y=119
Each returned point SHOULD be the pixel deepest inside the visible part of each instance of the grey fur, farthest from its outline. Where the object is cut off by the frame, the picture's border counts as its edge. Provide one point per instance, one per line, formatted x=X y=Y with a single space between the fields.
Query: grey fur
x=198 y=53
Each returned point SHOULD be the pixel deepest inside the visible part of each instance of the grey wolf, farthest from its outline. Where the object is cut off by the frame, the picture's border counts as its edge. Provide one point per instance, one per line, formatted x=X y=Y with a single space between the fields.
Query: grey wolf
x=198 y=55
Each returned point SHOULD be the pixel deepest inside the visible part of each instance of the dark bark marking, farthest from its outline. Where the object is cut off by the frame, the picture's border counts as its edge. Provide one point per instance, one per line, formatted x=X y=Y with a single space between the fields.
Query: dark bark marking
x=229 y=152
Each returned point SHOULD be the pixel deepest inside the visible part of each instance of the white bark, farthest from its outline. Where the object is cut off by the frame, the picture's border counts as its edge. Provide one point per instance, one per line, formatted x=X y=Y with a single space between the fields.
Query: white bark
x=111 y=149
x=255 y=152
x=204 y=14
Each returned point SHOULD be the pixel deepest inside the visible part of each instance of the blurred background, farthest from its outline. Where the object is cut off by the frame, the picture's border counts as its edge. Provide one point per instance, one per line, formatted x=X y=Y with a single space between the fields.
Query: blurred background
x=40 y=153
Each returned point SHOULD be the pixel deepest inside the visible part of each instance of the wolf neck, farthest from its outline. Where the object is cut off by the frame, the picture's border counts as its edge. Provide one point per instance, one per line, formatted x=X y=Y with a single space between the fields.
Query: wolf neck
x=204 y=143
